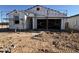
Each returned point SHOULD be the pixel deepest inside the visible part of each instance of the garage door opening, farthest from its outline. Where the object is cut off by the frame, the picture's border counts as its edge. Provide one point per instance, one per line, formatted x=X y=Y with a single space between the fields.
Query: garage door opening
x=49 y=24
x=41 y=24
x=54 y=24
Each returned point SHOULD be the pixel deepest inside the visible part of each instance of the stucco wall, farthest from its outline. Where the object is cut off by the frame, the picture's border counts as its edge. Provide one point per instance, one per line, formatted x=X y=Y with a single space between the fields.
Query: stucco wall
x=73 y=22
x=21 y=20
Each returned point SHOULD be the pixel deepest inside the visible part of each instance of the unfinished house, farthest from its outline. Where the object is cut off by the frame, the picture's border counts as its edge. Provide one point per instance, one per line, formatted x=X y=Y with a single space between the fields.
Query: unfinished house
x=37 y=17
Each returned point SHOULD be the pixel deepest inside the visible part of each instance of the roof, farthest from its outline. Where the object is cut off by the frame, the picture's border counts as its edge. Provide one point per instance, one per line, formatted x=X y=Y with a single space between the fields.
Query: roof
x=46 y=8
x=75 y=15
x=36 y=6
x=24 y=11
x=14 y=11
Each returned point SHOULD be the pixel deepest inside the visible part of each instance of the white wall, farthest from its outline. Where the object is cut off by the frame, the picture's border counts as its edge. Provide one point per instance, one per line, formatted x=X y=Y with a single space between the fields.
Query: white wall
x=24 y=20
x=21 y=20
x=73 y=22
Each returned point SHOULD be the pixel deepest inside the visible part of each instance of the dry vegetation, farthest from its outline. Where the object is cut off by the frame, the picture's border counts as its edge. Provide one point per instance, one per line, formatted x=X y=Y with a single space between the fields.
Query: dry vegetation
x=39 y=42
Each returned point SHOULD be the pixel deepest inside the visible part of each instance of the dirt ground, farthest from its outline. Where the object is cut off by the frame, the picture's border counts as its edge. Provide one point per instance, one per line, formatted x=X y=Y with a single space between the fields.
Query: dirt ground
x=39 y=42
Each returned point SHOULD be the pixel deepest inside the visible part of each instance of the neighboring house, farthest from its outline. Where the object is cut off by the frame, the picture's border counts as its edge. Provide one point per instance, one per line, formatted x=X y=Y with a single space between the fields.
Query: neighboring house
x=37 y=17
x=73 y=22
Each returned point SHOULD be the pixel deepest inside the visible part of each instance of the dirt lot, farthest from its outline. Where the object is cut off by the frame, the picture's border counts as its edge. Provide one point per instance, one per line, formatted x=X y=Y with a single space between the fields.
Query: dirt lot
x=39 y=42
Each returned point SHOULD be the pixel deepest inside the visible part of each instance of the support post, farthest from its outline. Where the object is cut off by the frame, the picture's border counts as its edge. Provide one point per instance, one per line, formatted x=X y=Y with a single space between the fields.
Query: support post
x=47 y=19
x=34 y=23
x=25 y=22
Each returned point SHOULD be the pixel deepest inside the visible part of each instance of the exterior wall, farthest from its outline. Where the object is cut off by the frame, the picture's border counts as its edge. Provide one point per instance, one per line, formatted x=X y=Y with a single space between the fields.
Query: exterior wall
x=25 y=23
x=63 y=21
x=21 y=20
x=11 y=24
x=15 y=26
x=73 y=22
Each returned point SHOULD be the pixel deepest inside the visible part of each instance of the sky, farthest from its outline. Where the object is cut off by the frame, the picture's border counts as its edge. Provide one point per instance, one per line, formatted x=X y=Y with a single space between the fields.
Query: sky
x=70 y=9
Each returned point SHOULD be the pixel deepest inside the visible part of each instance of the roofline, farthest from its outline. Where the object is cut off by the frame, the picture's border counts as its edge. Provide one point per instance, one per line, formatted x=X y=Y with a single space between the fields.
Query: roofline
x=24 y=11
x=45 y=8
x=54 y=17
x=11 y=11
x=35 y=6
x=74 y=15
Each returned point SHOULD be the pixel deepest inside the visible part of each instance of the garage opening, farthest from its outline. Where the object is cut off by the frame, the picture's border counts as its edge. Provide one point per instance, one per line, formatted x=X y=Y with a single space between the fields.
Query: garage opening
x=41 y=23
x=49 y=24
x=54 y=24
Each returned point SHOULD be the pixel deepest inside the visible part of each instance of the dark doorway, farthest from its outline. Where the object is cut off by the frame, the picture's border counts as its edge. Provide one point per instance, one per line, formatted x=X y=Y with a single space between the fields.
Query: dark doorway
x=41 y=24
x=31 y=23
x=54 y=24
x=16 y=21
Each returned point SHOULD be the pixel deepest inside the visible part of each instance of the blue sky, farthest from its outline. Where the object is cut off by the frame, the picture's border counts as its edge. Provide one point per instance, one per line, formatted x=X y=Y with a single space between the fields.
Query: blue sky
x=71 y=9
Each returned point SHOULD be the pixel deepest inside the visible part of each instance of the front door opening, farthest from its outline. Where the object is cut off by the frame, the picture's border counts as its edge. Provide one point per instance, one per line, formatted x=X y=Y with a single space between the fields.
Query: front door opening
x=31 y=23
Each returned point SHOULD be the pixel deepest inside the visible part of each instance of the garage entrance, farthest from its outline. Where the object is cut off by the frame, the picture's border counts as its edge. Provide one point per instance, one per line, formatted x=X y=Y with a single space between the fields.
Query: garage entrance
x=54 y=24
x=49 y=24
x=41 y=24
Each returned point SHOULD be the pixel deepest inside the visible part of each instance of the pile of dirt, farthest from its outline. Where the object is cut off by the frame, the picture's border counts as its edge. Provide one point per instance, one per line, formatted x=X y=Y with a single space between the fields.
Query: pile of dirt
x=60 y=41
x=39 y=42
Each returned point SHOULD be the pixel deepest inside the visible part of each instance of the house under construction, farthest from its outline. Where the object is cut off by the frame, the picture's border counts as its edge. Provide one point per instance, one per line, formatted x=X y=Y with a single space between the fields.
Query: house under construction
x=37 y=17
